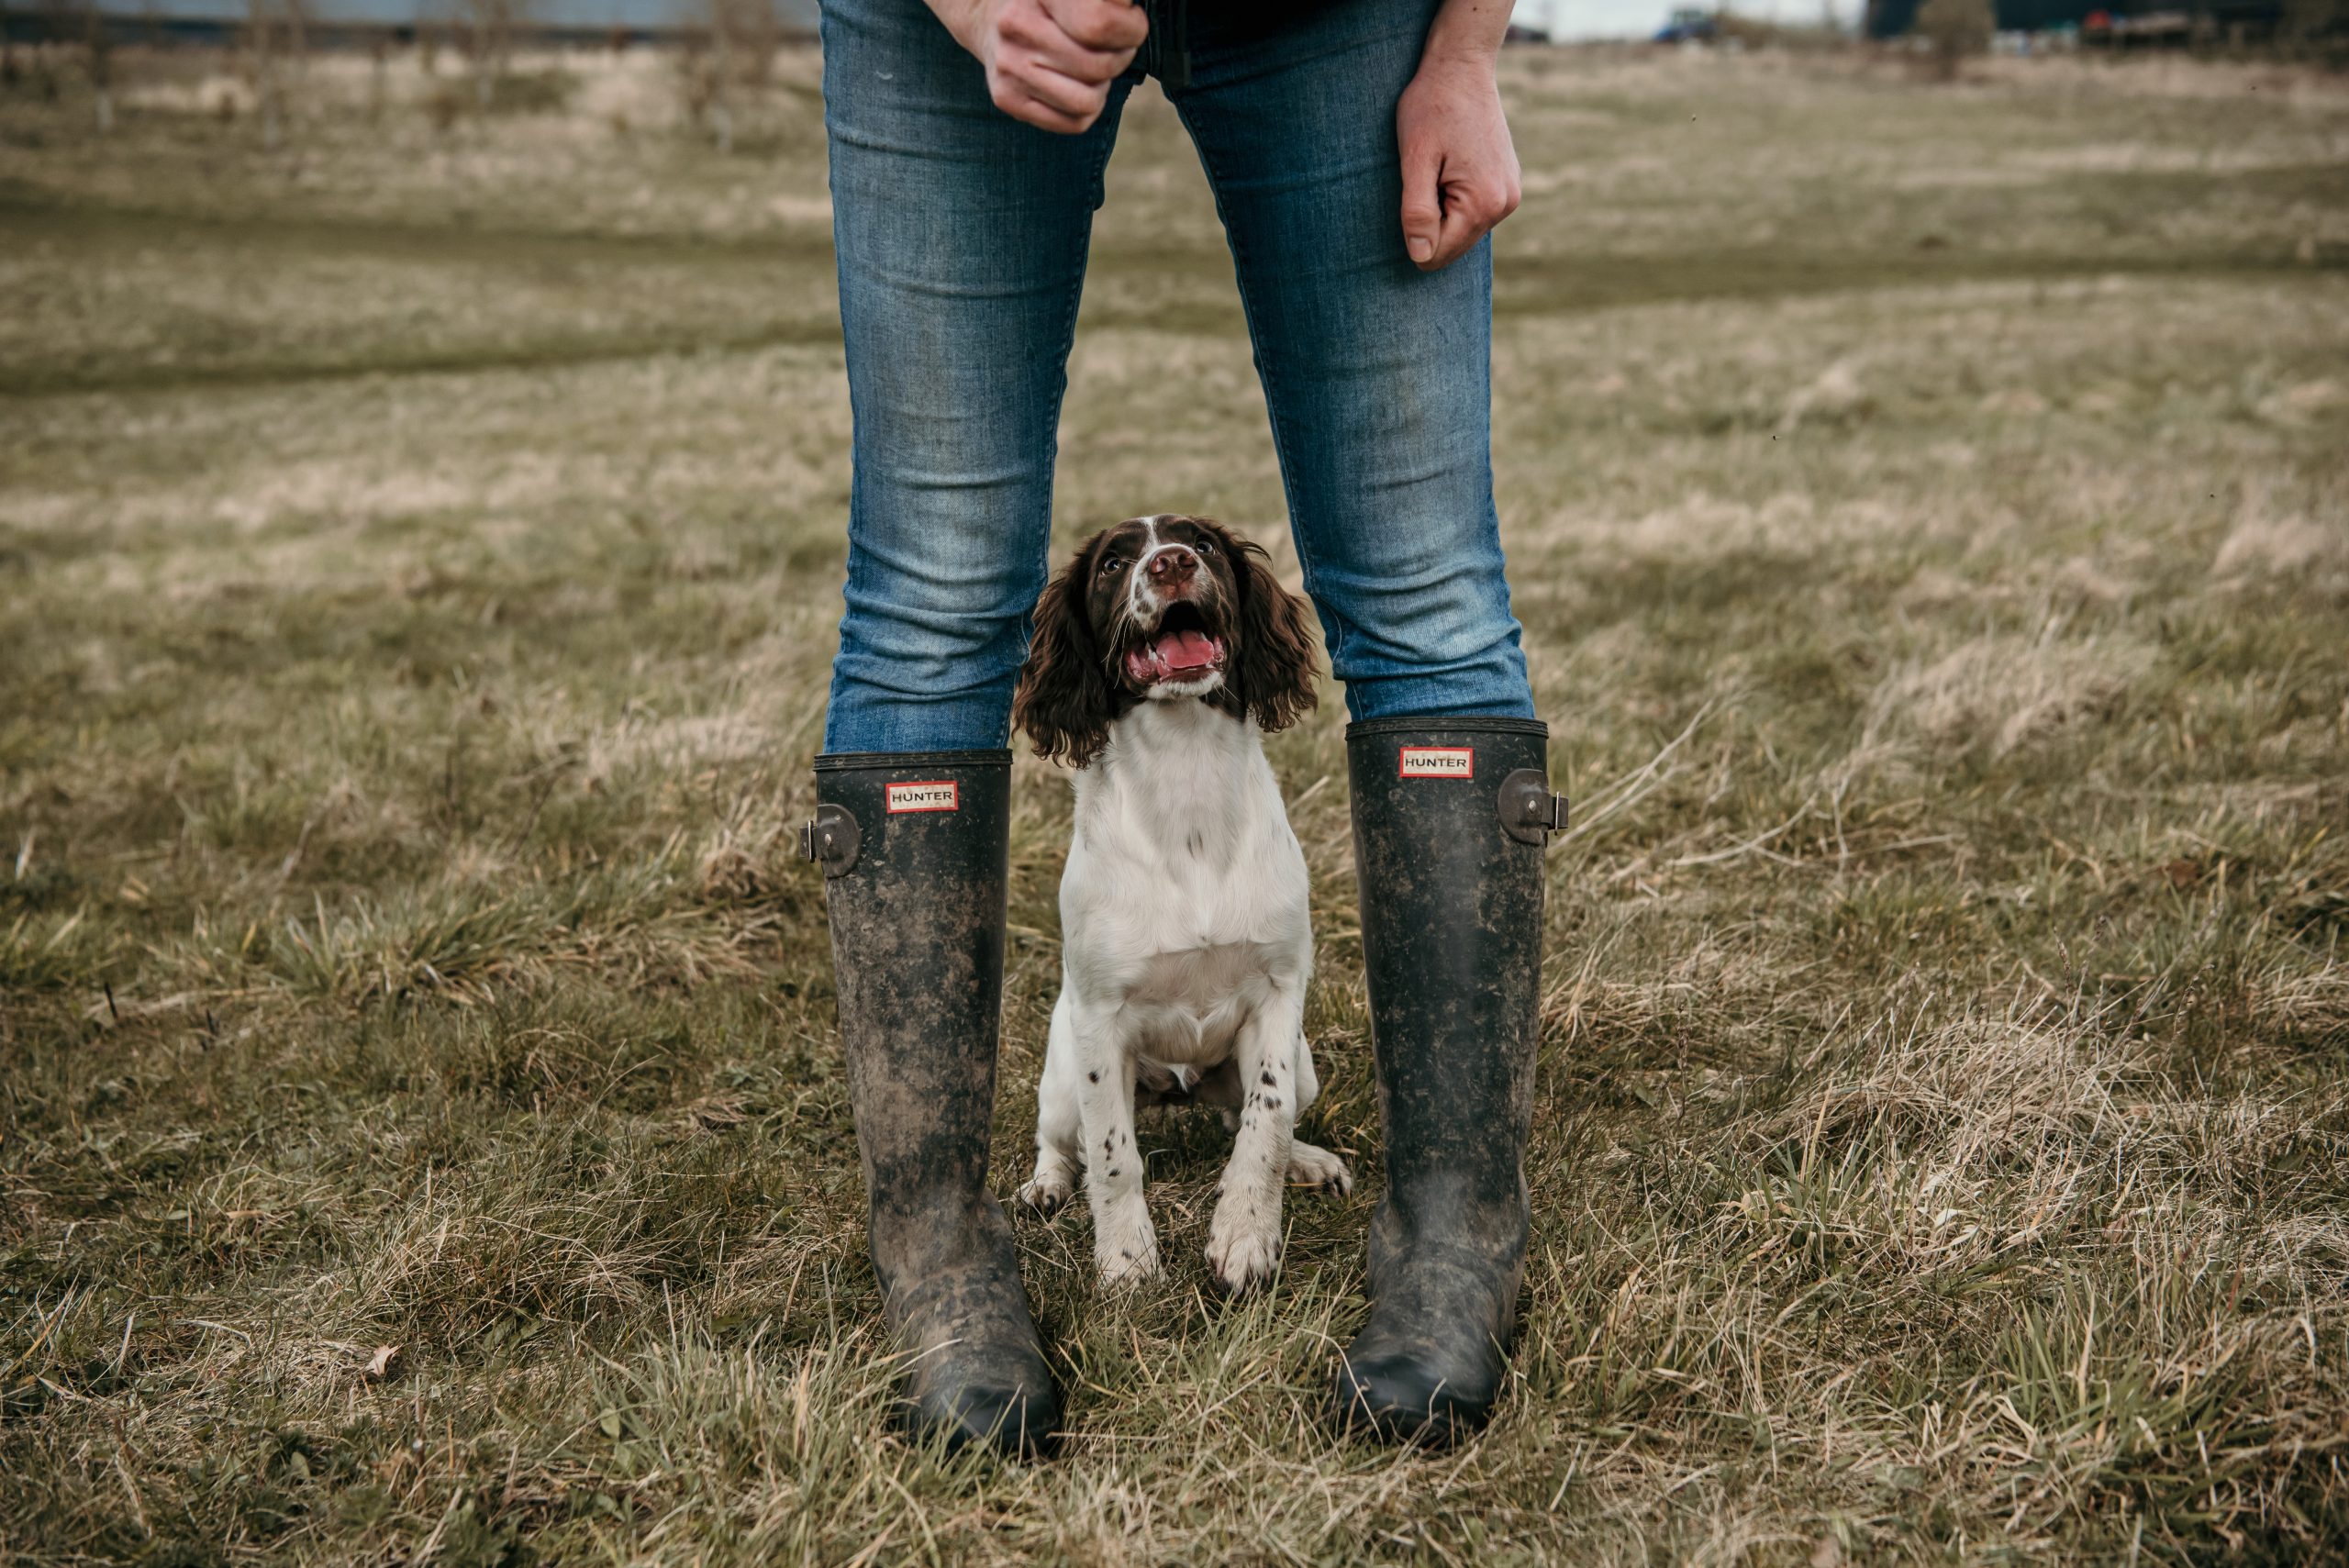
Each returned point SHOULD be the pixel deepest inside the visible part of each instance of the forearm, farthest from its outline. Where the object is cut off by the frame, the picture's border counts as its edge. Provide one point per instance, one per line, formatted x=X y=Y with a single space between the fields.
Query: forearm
x=1464 y=30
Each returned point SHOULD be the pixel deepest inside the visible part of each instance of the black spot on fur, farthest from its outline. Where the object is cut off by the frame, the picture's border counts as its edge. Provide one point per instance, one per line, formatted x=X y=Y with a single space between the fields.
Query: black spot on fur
x=1268 y=1080
x=1092 y=1077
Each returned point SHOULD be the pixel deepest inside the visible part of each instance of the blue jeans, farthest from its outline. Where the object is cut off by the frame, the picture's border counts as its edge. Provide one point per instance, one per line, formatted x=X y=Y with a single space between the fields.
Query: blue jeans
x=962 y=238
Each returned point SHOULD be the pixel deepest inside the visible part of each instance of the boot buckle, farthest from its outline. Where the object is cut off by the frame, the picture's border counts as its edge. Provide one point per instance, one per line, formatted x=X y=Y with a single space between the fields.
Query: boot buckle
x=1530 y=810
x=830 y=838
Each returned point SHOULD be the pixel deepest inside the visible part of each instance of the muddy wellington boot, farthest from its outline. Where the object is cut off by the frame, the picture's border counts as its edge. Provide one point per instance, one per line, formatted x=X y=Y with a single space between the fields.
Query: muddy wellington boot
x=913 y=849
x=1451 y=816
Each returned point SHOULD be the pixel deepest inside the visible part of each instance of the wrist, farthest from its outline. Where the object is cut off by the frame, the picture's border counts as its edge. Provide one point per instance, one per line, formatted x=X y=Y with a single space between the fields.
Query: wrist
x=1461 y=55
x=963 y=19
x=1467 y=33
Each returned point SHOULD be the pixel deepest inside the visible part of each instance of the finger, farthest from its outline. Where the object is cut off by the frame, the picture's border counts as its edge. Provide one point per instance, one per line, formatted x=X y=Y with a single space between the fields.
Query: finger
x=1033 y=30
x=1460 y=232
x=1070 y=94
x=1422 y=207
x=1108 y=26
x=1469 y=212
x=1058 y=53
x=1014 y=98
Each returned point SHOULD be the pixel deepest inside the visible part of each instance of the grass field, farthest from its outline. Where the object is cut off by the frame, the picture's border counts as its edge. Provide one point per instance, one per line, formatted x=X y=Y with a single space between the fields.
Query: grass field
x=421 y=1131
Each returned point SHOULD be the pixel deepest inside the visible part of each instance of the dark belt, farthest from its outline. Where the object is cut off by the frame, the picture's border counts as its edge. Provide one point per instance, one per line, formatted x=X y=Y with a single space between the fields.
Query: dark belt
x=1166 y=53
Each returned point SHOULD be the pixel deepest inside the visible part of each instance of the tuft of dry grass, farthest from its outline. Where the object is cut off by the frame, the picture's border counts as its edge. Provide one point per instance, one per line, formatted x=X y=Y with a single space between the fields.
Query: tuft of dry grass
x=2002 y=691
x=421 y=1131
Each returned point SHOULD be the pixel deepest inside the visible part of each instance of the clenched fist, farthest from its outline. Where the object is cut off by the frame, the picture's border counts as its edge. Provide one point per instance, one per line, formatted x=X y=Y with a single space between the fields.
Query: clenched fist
x=1049 y=62
x=1459 y=173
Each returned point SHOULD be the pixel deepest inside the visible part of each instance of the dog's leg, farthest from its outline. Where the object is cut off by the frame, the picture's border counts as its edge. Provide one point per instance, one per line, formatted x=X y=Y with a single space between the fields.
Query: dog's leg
x=1308 y=1082
x=1125 y=1248
x=1060 y=1122
x=1310 y=1166
x=1244 y=1237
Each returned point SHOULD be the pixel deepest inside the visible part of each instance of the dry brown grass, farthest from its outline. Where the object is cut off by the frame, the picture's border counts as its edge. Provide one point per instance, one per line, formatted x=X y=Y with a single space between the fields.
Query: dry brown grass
x=421 y=1136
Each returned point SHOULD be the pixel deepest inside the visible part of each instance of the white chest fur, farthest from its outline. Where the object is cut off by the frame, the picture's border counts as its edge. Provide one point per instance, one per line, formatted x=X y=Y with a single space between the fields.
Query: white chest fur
x=1184 y=897
x=1186 y=943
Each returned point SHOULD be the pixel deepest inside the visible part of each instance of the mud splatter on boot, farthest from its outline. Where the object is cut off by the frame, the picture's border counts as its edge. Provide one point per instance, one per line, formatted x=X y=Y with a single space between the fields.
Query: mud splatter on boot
x=1450 y=819
x=913 y=847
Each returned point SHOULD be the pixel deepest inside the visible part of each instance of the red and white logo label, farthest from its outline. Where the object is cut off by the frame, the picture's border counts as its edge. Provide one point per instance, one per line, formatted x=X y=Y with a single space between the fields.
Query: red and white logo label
x=926 y=795
x=1439 y=762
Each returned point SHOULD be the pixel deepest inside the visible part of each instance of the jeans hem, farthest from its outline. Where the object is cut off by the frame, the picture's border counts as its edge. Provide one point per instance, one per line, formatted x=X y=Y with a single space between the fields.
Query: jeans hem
x=1447 y=724
x=854 y=761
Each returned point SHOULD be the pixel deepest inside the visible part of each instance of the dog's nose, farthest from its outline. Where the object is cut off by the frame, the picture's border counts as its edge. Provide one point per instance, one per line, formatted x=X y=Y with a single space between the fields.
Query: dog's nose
x=1172 y=565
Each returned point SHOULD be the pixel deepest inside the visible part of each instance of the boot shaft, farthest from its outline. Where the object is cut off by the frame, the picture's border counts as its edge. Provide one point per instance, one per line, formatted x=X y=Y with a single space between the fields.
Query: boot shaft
x=913 y=846
x=914 y=850
x=1450 y=815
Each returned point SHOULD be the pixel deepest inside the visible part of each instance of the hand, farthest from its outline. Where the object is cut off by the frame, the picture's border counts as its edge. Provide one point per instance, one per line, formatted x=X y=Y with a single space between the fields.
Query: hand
x=1460 y=174
x=1049 y=62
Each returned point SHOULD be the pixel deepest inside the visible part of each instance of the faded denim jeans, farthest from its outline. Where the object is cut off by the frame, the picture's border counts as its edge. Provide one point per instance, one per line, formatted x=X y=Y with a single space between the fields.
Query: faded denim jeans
x=962 y=237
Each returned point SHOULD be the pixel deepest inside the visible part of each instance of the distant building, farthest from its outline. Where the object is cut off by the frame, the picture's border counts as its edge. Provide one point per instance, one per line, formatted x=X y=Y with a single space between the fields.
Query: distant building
x=334 y=22
x=2179 y=18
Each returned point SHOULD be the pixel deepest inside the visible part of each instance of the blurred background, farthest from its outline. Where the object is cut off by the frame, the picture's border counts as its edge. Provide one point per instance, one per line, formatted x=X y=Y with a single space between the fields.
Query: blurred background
x=1922 y=448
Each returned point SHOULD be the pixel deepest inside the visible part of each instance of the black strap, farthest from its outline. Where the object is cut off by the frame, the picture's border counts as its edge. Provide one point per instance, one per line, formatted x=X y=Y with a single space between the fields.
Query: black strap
x=1166 y=53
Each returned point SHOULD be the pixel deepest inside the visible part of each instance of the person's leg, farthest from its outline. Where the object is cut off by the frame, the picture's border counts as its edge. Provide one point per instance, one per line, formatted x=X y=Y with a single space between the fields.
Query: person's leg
x=962 y=238
x=1377 y=375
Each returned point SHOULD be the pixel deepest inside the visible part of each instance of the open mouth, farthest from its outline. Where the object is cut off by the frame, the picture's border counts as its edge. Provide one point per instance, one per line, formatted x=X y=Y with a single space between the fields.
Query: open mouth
x=1182 y=649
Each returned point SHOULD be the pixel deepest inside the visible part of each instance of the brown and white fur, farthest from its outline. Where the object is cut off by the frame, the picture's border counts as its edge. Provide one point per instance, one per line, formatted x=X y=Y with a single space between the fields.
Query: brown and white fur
x=1186 y=942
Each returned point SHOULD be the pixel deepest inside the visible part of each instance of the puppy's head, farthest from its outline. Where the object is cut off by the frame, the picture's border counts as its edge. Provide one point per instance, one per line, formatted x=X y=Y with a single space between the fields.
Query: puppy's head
x=1158 y=609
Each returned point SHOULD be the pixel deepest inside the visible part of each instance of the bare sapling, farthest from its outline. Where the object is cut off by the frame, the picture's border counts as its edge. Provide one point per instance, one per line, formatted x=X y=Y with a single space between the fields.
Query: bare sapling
x=729 y=52
x=491 y=28
x=1957 y=30
x=100 y=40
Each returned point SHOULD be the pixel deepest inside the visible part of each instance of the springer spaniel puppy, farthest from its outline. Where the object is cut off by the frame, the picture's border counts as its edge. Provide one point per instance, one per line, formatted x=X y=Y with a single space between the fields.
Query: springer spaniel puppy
x=1186 y=943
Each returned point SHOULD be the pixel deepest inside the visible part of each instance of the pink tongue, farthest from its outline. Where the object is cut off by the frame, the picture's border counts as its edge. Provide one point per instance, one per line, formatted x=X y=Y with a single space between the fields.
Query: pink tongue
x=1177 y=654
x=1186 y=650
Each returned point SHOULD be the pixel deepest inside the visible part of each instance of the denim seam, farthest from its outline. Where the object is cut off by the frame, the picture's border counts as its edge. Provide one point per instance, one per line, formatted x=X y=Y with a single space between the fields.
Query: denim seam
x=1094 y=194
x=1333 y=629
x=1252 y=71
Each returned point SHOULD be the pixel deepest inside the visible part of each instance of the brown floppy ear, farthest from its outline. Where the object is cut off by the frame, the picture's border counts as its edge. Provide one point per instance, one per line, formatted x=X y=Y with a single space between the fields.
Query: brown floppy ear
x=1064 y=701
x=1275 y=679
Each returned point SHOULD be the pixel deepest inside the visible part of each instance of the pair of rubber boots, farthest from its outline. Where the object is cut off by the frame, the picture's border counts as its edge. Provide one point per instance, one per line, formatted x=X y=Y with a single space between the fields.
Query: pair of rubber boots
x=1450 y=818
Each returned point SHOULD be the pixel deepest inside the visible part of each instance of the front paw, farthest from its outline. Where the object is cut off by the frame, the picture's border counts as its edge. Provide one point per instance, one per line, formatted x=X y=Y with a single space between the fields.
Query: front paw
x=1127 y=1264
x=1319 y=1169
x=1244 y=1254
x=1046 y=1194
x=1125 y=1250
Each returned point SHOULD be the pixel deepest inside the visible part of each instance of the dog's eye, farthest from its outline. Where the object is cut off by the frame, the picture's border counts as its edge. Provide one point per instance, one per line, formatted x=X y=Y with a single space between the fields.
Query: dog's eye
x=1205 y=547
x=1112 y=566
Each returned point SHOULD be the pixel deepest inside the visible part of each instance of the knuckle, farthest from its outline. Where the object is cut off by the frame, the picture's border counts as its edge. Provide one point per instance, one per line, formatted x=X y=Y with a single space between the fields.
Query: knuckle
x=1105 y=24
x=1019 y=24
